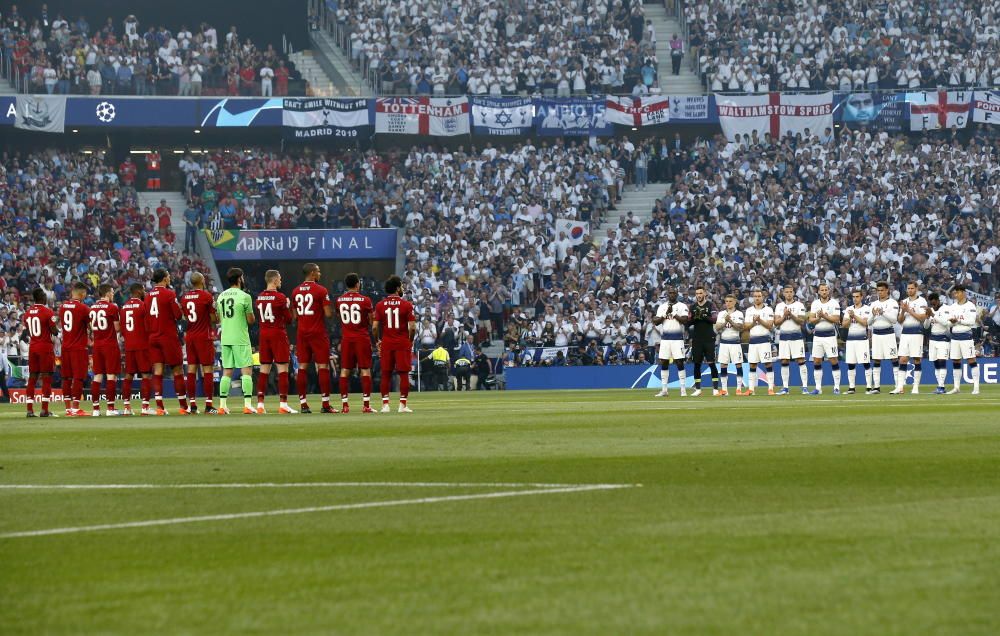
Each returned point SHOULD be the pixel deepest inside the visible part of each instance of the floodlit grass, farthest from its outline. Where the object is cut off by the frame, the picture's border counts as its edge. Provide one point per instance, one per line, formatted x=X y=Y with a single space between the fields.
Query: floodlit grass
x=764 y=515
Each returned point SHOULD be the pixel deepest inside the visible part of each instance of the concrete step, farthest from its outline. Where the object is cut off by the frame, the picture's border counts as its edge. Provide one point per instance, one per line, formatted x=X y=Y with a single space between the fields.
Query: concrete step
x=639 y=202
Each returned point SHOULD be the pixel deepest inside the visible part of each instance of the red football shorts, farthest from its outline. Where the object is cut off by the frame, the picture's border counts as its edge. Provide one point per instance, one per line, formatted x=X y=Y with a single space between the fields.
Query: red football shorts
x=313 y=349
x=355 y=354
x=137 y=362
x=274 y=348
x=165 y=351
x=200 y=351
x=396 y=358
x=74 y=364
x=107 y=360
x=42 y=361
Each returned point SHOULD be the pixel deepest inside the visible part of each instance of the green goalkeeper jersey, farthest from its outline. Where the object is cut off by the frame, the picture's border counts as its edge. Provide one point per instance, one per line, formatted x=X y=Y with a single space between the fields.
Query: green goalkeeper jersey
x=233 y=305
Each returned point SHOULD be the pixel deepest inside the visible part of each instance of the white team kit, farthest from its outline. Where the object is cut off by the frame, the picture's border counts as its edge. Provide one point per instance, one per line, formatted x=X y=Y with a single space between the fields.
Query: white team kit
x=672 y=330
x=729 y=324
x=911 y=340
x=962 y=345
x=856 y=345
x=885 y=315
x=791 y=344
x=939 y=342
x=825 y=333
x=759 y=350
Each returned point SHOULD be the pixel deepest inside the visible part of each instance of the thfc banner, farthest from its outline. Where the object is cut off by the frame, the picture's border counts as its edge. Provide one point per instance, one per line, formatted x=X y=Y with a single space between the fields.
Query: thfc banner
x=986 y=107
x=434 y=116
x=638 y=111
x=303 y=119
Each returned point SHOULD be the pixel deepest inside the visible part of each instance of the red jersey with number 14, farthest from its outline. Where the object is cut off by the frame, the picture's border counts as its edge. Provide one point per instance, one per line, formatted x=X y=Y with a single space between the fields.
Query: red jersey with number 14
x=309 y=300
x=393 y=315
x=103 y=316
x=273 y=309
x=133 y=319
x=354 y=310
x=162 y=313
x=198 y=307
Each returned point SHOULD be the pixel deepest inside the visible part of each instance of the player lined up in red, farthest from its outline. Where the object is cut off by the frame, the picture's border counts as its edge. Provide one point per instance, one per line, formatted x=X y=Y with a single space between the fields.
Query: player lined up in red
x=394 y=326
x=311 y=304
x=162 y=314
x=355 y=312
x=105 y=326
x=132 y=317
x=42 y=325
x=275 y=312
x=198 y=309
x=74 y=318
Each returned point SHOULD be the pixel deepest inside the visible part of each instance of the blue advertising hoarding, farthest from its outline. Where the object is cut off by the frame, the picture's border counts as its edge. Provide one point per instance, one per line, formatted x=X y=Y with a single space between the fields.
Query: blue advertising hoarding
x=309 y=245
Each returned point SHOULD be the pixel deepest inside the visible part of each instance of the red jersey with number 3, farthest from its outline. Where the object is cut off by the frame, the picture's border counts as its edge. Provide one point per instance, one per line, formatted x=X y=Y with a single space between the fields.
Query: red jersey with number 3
x=103 y=316
x=38 y=320
x=354 y=311
x=309 y=300
x=74 y=316
x=133 y=319
x=162 y=313
x=198 y=308
x=273 y=309
x=393 y=315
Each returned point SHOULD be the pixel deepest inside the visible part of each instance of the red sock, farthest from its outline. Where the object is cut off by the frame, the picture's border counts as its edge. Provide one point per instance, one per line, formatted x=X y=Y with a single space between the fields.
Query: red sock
x=386 y=385
x=404 y=387
x=283 y=386
x=192 y=387
x=110 y=391
x=324 y=385
x=300 y=384
x=30 y=392
x=68 y=388
x=158 y=390
x=208 y=386
x=345 y=388
x=181 y=391
x=366 y=390
x=46 y=391
x=261 y=385
x=145 y=386
x=95 y=393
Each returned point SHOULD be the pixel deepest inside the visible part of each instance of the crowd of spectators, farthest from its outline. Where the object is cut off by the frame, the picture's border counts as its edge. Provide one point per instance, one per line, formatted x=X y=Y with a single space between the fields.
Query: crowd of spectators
x=548 y=47
x=779 y=45
x=57 y=54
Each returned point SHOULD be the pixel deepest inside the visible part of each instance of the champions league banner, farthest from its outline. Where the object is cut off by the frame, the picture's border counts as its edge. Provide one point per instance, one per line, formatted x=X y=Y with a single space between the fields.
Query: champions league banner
x=571 y=118
x=880 y=111
x=304 y=119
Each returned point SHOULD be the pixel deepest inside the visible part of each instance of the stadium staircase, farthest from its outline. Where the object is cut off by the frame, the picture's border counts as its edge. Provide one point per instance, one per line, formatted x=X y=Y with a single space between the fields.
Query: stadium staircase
x=337 y=65
x=687 y=83
x=639 y=202
x=177 y=203
x=320 y=84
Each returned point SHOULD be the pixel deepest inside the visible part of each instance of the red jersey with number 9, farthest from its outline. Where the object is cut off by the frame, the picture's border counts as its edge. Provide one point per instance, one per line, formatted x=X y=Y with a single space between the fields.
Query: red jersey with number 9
x=354 y=311
x=393 y=315
x=73 y=317
x=133 y=319
x=162 y=313
x=309 y=300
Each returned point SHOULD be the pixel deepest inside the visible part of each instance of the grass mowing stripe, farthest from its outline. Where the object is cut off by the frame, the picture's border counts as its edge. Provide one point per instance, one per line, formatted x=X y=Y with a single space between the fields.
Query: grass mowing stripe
x=319 y=484
x=312 y=509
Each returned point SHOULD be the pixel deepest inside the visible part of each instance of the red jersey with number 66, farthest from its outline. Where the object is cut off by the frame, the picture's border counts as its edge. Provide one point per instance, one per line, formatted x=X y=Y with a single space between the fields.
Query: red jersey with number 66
x=393 y=315
x=354 y=310
x=133 y=319
x=162 y=313
x=309 y=300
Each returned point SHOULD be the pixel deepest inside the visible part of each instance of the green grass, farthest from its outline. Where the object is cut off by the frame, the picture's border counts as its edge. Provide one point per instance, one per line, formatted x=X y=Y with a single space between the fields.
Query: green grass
x=793 y=515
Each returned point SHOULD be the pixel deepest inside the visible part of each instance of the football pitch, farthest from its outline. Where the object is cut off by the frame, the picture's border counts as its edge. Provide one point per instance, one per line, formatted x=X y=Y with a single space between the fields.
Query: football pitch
x=588 y=512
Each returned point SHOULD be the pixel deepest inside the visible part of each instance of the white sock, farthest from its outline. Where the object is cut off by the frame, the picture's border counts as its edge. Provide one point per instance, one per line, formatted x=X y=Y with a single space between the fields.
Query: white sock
x=665 y=378
x=804 y=375
x=916 y=377
x=957 y=372
x=724 y=380
x=818 y=377
x=975 y=377
x=768 y=380
x=877 y=374
x=895 y=374
x=837 y=372
x=786 y=371
x=868 y=375
x=941 y=375
x=851 y=374
x=753 y=379
x=682 y=377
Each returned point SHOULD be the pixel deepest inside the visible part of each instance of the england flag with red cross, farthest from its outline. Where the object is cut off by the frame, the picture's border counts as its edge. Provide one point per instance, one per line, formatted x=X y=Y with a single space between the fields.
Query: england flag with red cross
x=932 y=110
x=637 y=111
x=776 y=114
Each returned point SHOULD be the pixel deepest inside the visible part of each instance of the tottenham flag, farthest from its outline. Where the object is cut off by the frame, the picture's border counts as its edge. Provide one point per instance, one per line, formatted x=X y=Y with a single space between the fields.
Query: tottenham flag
x=986 y=107
x=502 y=115
x=435 y=116
x=41 y=113
x=320 y=117
x=776 y=114
x=931 y=110
x=637 y=111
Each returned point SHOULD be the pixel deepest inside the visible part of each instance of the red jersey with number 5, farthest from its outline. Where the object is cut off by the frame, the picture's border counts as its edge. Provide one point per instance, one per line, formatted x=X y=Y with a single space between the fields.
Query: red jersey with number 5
x=273 y=309
x=73 y=318
x=198 y=308
x=39 y=320
x=354 y=311
x=310 y=300
x=393 y=315
x=162 y=313
x=103 y=316
x=133 y=319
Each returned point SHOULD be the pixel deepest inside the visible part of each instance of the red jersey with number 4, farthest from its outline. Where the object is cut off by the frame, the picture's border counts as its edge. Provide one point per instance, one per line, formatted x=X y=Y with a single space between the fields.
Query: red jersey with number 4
x=354 y=311
x=133 y=319
x=309 y=300
x=39 y=320
x=393 y=315
x=198 y=308
x=103 y=316
x=74 y=316
x=162 y=313
x=273 y=309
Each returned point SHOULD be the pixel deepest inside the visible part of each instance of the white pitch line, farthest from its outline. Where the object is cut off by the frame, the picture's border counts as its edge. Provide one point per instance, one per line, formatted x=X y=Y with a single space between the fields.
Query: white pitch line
x=299 y=511
x=306 y=484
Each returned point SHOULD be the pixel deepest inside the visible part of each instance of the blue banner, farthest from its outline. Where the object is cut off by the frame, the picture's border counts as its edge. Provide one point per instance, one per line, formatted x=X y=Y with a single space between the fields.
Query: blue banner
x=883 y=111
x=571 y=117
x=310 y=245
x=8 y=106
x=240 y=113
x=501 y=116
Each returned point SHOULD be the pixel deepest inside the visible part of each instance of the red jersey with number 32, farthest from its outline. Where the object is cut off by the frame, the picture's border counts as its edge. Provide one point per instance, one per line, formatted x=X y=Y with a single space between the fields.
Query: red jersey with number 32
x=162 y=313
x=354 y=311
x=38 y=320
x=272 y=307
x=394 y=314
x=198 y=307
x=133 y=319
x=103 y=316
x=74 y=316
x=309 y=300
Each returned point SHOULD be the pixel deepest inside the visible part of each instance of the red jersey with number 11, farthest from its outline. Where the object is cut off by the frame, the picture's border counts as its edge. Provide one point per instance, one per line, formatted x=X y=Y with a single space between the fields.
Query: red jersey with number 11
x=354 y=310
x=309 y=300
x=394 y=314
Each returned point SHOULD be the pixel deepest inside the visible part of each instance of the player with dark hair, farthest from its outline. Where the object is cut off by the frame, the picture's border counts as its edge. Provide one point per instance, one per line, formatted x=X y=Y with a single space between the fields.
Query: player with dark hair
x=162 y=314
x=132 y=316
x=355 y=312
x=41 y=323
x=235 y=309
x=275 y=313
x=105 y=326
x=703 y=339
x=198 y=308
x=311 y=305
x=394 y=325
x=74 y=315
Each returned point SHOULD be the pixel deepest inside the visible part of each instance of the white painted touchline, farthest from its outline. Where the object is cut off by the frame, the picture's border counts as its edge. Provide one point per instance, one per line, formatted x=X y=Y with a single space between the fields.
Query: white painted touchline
x=299 y=511
x=304 y=484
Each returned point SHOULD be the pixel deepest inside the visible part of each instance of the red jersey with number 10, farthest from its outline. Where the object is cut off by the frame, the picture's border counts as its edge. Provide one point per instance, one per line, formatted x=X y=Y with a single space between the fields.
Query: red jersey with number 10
x=133 y=319
x=354 y=310
x=198 y=307
x=39 y=320
x=309 y=300
x=162 y=313
x=272 y=306
x=73 y=318
x=393 y=315
x=103 y=316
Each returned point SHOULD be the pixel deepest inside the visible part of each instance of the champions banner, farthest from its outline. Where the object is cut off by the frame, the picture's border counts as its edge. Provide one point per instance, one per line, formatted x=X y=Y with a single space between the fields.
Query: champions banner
x=502 y=115
x=325 y=118
x=434 y=116
x=637 y=111
x=571 y=118
x=986 y=107
x=776 y=114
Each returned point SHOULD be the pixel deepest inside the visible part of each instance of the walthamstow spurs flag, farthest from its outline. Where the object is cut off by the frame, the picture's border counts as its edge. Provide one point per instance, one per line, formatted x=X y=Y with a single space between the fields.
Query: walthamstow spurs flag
x=776 y=114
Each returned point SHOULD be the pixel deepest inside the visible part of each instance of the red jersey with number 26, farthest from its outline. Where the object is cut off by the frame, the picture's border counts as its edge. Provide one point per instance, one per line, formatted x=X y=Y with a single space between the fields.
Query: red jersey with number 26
x=133 y=319
x=103 y=316
x=394 y=314
x=198 y=307
x=309 y=300
x=162 y=313
x=354 y=311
